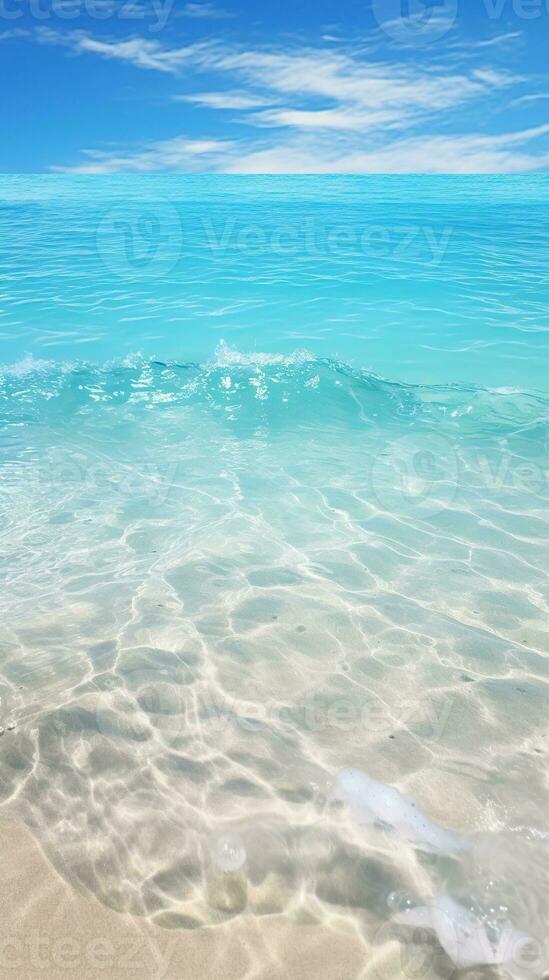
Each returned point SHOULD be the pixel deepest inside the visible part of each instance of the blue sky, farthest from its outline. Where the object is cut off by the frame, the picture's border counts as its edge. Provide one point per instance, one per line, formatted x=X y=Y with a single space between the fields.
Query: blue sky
x=106 y=86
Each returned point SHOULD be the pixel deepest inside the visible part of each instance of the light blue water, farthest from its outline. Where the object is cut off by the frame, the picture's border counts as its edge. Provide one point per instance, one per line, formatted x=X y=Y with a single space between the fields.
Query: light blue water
x=420 y=279
x=275 y=503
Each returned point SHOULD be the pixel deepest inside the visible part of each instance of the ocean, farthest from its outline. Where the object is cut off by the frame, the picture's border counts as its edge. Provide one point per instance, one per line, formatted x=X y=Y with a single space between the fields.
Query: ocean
x=275 y=504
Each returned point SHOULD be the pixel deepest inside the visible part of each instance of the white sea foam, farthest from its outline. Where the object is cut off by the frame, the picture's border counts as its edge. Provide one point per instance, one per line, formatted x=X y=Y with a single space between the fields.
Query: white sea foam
x=27 y=365
x=227 y=356
x=464 y=937
x=371 y=801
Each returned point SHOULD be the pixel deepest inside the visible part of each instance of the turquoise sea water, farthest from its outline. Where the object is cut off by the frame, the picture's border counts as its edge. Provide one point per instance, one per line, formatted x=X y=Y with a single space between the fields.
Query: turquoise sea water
x=275 y=503
x=418 y=279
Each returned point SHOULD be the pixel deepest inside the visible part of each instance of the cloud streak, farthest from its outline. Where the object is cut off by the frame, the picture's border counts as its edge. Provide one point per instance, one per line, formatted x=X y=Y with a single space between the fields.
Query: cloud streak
x=225 y=100
x=469 y=154
x=204 y=11
x=179 y=154
x=321 y=109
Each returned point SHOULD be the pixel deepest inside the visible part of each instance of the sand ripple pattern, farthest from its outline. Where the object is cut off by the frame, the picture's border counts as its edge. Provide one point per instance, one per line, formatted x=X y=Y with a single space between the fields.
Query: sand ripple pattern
x=225 y=582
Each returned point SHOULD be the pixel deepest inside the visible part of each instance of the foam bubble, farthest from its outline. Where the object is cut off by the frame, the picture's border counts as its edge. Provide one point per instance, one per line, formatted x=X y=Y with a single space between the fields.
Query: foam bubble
x=228 y=853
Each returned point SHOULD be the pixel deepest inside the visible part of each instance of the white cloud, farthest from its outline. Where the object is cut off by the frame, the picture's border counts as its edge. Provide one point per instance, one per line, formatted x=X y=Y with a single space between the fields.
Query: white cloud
x=343 y=77
x=225 y=100
x=534 y=97
x=346 y=77
x=179 y=154
x=343 y=119
x=14 y=32
x=138 y=51
x=204 y=11
x=499 y=40
x=320 y=110
x=318 y=72
x=494 y=78
x=433 y=154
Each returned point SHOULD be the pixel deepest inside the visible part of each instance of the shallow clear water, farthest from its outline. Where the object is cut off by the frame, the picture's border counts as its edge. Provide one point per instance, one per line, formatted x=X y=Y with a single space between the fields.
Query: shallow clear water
x=237 y=560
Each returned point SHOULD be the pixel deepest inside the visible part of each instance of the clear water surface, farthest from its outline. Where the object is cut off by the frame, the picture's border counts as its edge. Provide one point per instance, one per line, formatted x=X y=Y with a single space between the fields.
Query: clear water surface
x=274 y=503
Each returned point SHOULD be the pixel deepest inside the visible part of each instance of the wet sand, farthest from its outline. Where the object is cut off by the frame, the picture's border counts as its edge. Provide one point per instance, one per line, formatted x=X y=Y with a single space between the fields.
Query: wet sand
x=48 y=930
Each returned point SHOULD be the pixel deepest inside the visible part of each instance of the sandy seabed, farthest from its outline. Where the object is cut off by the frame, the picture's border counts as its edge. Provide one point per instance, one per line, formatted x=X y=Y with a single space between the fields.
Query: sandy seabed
x=310 y=569
x=48 y=930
